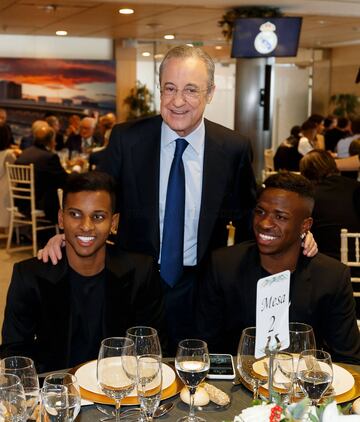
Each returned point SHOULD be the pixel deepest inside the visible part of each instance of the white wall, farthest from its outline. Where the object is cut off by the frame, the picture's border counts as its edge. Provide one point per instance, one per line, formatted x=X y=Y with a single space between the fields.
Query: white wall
x=290 y=100
x=40 y=47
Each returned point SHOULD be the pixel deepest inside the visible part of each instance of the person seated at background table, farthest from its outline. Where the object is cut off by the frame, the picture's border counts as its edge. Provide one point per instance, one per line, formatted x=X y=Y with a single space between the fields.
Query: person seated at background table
x=49 y=173
x=86 y=139
x=337 y=201
x=58 y=315
x=319 y=141
x=333 y=136
x=28 y=140
x=307 y=137
x=54 y=122
x=320 y=288
x=287 y=156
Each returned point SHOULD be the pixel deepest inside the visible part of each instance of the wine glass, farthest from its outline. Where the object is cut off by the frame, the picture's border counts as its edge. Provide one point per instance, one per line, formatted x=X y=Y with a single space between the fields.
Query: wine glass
x=314 y=373
x=54 y=403
x=192 y=364
x=146 y=340
x=117 y=369
x=12 y=398
x=284 y=374
x=149 y=383
x=246 y=360
x=24 y=368
x=70 y=381
x=301 y=338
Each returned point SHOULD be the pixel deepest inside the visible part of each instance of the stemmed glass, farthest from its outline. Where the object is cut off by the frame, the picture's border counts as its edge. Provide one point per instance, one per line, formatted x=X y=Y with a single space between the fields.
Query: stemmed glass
x=314 y=373
x=146 y=340
x=246 y=360
x=149 y=383
x=54 y=403
x=284 y=374
x=192 y=364
x=117 y=369
x=73 y=390
x=12 y=398
x=24 y=368
x=301 y=338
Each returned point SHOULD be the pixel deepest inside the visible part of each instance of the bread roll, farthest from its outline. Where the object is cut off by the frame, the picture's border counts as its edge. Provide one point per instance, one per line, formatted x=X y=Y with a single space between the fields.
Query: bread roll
x=201 y=396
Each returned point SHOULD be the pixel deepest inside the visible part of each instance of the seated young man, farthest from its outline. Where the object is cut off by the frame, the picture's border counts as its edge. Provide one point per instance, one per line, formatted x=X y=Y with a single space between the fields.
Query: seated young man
x=58 y=315
x=320 y=287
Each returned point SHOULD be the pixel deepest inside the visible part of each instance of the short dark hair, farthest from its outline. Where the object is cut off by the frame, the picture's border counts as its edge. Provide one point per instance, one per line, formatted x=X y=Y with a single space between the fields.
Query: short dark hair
x=308 y=125
x=291 y=182
x=318 y=164
x=91 y=181
x=342 y=122
x=316 y=118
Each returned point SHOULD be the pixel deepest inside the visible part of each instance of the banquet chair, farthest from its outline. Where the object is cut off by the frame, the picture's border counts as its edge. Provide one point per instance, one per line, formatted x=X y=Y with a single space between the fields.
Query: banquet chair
x=350 y=256
x=22 y=187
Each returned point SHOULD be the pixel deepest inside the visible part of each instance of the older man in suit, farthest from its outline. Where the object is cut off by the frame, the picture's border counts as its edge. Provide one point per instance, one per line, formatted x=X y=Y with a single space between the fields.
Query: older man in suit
x=320 y=288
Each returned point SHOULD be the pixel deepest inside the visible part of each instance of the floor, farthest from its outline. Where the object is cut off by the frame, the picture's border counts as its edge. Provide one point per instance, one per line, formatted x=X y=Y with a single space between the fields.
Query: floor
x=6 y=265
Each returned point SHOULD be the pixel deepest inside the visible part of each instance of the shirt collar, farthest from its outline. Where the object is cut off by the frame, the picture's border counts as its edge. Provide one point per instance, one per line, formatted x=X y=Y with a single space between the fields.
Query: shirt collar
x=196 y=138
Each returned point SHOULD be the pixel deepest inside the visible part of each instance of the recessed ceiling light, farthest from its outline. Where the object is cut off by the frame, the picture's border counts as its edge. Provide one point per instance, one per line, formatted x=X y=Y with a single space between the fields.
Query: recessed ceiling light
x=146 y=54
x=169 y=36
x=61 y=33
x=126 y=11
x=218 y=47
x=190 y=44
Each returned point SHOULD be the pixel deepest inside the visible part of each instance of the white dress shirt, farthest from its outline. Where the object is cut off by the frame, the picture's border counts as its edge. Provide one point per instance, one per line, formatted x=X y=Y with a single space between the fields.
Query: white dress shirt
x=193 y=159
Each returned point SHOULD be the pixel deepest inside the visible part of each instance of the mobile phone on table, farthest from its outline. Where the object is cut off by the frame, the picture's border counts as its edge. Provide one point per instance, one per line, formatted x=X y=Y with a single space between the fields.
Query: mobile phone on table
x=221 y=366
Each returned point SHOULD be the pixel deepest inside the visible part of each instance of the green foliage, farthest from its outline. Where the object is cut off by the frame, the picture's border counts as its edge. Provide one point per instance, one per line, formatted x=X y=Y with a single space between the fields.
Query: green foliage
x=140 y=102
x=228 y=20
x=345 y=105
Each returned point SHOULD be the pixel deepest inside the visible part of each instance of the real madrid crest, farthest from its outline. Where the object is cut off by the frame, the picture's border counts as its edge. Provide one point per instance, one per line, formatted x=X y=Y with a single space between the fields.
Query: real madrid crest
x=266 y=40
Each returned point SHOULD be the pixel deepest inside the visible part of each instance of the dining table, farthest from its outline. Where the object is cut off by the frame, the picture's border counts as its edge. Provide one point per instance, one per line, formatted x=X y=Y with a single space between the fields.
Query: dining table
x=240 y=396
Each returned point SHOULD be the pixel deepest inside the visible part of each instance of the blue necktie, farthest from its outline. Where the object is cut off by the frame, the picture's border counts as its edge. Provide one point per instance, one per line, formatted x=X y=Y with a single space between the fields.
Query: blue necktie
x=172 y=248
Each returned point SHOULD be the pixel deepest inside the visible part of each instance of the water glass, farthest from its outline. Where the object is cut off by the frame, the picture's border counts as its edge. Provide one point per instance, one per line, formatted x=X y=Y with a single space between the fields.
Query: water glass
x=192 y=363
x=54 y=403
x=149 y=384
x=74 y=397
x=24 y=368
x=284 y=375
x=246 y=360
x=146 y=340
x=12 y=398
x=117 y=369
x=314 y=373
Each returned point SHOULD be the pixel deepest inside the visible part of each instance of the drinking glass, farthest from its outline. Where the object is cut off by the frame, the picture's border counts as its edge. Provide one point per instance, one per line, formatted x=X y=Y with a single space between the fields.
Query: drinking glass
x=54 y=403
x=146 y=340
x=301 y=338
x=246 y=360
x=24 y=368
x=12 y=398
x=149 y=383
x=314 y=373
x=70 y=381
x=284 y=374
x=192 y=364
x=117 y=369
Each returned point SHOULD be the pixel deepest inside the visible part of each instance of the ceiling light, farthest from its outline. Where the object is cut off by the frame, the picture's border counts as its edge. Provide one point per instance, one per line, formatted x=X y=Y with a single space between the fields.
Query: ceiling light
x=146 y=54
x=126 y=11
x=190 y=44
x=61 y=33
x=158 y=56
x=169 y=36
x=218 y=47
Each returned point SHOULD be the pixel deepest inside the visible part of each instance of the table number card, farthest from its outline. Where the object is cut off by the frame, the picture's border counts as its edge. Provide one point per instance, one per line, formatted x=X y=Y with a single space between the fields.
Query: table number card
x=272 y=312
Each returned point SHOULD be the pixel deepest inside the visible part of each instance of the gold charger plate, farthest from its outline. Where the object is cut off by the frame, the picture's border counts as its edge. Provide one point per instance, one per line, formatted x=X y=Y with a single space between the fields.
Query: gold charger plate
x=168 y=392
x=350 y=395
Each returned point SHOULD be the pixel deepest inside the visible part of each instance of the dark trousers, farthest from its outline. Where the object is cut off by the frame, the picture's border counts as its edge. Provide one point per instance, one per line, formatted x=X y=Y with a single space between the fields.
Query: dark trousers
x=179 y=309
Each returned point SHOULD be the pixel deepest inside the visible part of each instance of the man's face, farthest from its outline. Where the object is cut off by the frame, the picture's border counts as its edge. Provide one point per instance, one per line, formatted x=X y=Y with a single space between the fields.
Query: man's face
x=280 y=217
x=181 y=114
x=87 y=220
x=2 y=117
x=86 y=129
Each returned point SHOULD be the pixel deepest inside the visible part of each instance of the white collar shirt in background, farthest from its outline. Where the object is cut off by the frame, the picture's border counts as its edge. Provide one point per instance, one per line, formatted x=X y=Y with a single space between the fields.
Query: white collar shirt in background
x=193 y=159
x=304 y=146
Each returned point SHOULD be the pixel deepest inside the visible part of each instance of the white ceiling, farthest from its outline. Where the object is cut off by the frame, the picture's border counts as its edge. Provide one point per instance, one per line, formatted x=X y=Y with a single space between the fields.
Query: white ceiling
x=325 y=24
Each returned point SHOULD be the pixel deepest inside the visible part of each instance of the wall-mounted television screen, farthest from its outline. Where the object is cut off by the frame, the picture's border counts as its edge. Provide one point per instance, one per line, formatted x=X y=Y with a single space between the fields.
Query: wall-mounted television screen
x=266 y=37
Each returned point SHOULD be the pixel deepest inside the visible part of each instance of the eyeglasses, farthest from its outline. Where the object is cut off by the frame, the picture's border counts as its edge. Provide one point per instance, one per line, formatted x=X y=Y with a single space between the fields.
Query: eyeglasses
x=189 y=93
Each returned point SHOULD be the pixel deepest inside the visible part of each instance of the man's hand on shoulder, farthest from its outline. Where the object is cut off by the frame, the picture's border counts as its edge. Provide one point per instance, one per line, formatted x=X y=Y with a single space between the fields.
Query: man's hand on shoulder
x=310 y=246
x=52 y=249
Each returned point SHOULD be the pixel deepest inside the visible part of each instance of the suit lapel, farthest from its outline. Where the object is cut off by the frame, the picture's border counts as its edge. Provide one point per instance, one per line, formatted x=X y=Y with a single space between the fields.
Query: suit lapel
x=145 y=156
x=215 y=174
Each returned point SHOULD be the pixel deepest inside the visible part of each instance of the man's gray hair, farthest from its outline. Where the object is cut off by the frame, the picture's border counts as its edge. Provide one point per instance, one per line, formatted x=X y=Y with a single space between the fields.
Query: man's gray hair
x=185 y=51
